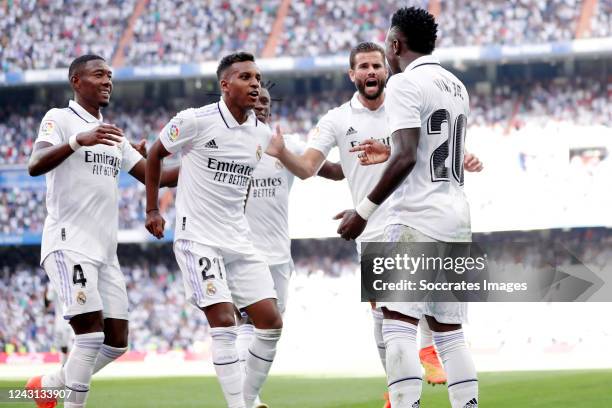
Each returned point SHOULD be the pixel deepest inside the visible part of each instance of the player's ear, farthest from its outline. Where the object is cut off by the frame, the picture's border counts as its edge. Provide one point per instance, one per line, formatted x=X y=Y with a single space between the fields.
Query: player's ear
x=351 y=74
x=224 y=85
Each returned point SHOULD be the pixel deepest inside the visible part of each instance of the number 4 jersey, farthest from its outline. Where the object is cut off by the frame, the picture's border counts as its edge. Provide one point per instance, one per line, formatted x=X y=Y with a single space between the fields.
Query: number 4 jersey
x=431 y=198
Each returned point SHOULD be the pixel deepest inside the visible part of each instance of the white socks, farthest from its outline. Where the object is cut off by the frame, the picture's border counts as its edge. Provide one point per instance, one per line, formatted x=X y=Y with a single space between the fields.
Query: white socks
x=377 y=315
x=457 y=361
x=404 y=373
x=259 y=360
x=227 y=364
x=426 y=334
x=79 y=367
x=106 y=355
x=246 y=334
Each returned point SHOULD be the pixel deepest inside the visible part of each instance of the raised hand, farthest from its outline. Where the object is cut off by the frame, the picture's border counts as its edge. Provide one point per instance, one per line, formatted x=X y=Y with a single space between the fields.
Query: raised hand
x=277 y=143
x=105 y=133
x=372 y=152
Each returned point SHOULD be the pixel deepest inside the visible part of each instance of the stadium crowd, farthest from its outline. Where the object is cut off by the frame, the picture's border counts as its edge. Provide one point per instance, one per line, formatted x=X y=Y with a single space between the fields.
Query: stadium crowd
x=46 y=34
x=182 y=32
x=583 y=100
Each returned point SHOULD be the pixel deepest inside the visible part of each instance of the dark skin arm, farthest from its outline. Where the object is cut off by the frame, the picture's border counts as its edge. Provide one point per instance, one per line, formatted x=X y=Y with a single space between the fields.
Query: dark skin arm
x=331 y=171
x=45 y=156
x=155 y=222
x=168 y=177
x=401 y=163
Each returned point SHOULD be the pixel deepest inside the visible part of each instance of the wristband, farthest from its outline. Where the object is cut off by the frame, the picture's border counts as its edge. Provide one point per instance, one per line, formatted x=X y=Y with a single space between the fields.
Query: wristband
x=152 y=209
x=74 y=144
x=366 y=208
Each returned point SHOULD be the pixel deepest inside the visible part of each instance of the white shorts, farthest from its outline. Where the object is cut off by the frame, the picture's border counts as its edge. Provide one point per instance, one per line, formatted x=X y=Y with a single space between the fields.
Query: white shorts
x=84 y=285
x=212 y=275
x=280 y=275
x=443 y=312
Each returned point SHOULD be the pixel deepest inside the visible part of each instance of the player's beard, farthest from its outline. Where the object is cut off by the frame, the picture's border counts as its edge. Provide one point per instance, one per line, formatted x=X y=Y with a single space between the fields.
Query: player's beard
x=104 y=104
x=361 y=87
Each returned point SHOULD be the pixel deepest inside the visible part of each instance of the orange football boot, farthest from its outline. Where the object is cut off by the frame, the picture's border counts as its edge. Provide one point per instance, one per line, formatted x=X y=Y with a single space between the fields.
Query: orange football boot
x=35 y=383
x=434 y=372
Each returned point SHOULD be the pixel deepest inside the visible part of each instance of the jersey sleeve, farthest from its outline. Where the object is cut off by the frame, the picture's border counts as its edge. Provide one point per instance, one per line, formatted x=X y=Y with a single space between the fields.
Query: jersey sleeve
x=323 y=136
x=295 y=145
x=180 y=132
x=403 y=103
x=130 y=156
x=50 y=130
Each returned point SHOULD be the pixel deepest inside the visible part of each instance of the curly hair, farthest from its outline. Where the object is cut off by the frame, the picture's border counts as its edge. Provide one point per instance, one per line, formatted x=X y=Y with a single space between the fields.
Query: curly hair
x=418 y=27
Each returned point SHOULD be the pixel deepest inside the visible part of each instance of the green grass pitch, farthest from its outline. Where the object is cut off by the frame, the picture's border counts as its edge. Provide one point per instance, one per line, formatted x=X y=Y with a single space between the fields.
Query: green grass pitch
x=564 y=389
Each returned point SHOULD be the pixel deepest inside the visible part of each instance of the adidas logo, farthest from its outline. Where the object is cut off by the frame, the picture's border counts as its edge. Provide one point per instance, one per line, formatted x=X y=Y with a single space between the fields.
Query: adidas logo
x=350 y=131
x=211 y=145
x=473 y=403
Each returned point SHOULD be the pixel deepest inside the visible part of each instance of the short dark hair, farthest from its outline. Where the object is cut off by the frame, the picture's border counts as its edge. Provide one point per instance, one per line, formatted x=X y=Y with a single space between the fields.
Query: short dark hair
x=418 y=27
x=80 y=61
x=231 y=59
x=366 y=46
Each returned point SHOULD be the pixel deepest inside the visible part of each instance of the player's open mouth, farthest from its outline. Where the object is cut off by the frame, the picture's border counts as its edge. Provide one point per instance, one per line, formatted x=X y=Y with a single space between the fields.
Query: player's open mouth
x=371 y=83
x=254 y=94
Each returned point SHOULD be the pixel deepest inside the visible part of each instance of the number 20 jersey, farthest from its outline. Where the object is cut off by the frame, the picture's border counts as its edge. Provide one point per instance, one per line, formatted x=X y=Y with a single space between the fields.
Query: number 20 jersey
x=431 y=199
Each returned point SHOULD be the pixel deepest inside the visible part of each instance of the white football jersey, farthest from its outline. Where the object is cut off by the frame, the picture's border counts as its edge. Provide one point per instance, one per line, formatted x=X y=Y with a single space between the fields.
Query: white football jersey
x=267 y=208
x=431 y=199
x=218 y=157
x=82 y=192
x=346 y=126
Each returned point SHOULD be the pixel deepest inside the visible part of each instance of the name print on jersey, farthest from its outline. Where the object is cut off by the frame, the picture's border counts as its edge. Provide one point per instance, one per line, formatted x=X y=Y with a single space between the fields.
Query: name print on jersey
x=265 y=187
x=384 y=140
x=103 y=164
x=230 y=172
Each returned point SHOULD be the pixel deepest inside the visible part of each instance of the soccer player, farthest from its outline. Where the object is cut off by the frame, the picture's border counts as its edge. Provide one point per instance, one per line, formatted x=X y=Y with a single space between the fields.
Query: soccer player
x=82 y=157
x=220 y=146
x=267 y=212
x=362 y=118
x=427 y=109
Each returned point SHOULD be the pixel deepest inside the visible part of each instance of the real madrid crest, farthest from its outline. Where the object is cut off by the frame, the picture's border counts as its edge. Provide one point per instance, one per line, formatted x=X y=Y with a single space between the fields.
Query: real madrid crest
x=81 y=298
x=210 y=289
x=258 y=152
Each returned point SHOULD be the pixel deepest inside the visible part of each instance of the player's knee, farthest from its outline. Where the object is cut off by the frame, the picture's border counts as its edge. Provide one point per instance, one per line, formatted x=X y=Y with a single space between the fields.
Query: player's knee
x=271 y=321
x=116 y=336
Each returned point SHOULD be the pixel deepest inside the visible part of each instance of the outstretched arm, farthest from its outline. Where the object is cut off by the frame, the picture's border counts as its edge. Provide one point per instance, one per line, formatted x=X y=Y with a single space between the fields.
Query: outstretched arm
x=331 y=171
x=303 y=166
x=401 y=163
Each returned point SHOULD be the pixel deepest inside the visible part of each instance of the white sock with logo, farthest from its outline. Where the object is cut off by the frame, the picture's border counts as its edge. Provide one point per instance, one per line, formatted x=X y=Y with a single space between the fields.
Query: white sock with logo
x=459 y=366
x=79 y=368
x=377 y=315
x=404 y=375
x=227 y=364
x=261 y=355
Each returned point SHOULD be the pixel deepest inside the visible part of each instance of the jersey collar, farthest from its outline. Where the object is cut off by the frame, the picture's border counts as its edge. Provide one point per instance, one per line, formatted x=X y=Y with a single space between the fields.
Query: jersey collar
x=82 y=113
x=424 y=60
x=358 y=106
x=229 y=119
